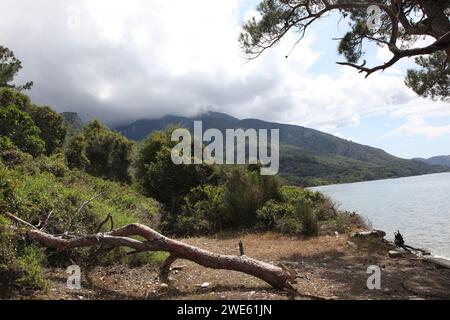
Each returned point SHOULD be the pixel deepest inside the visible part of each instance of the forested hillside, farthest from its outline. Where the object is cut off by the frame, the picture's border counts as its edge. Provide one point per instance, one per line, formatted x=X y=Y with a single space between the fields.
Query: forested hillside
x=439 y=160
x=308 y=157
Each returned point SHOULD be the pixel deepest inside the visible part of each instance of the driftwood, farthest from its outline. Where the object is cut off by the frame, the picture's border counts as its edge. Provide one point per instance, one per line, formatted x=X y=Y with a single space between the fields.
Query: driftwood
x=277 y=277
x=400 y=242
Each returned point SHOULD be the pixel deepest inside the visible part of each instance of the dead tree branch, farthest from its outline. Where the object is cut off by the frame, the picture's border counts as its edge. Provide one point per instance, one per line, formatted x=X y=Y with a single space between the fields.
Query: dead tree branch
x=277 y=277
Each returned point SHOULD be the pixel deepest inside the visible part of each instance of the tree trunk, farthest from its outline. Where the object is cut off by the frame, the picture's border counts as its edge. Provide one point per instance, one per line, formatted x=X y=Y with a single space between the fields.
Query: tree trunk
x=279 y=278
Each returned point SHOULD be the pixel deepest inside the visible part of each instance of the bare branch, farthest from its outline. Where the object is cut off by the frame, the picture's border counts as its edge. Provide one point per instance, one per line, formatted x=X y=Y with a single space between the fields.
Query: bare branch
x=122 y=237
x=81 y=209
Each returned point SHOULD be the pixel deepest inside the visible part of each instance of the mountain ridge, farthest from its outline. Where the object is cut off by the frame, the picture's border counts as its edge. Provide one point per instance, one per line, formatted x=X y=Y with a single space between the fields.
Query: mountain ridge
x=438 y=160
x=308 y=157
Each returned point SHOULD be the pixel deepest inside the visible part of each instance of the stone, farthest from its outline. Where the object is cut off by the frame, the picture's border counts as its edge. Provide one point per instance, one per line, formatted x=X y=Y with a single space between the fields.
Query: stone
x=395 y=254
x=369 y=234
x=352 y=245
x=164 y=286
x=205 y=285
x=439 y=262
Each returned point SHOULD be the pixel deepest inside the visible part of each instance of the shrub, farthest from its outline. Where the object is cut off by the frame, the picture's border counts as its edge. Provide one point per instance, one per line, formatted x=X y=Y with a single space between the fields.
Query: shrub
x=29 y=265
x=204 y=211
x=159 y=178
x=75 y=153
x=13 y=97
x=43 y=185
x=101 y=152
x=269 y=217
x=10 y=155
x=7 y=245
x=51 y=125
x=19 y=265
x=19 y=127
x=307 y=215
x=146 y=259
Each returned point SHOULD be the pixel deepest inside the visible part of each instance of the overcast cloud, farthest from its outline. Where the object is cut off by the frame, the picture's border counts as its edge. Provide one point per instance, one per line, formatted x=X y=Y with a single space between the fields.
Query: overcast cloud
x=123 y=60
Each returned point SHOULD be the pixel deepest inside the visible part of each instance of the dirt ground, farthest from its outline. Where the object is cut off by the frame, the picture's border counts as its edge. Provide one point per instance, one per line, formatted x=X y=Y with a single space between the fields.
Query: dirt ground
x=328 y=268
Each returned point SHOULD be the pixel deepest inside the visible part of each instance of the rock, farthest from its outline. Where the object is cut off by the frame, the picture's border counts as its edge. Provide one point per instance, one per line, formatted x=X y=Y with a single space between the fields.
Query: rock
x=395 y=254
x=369 y=234
x=336 y=234
x=164 y=286
x=352 y=245
x=177 y=268
x=439 y=262
x=205 y=285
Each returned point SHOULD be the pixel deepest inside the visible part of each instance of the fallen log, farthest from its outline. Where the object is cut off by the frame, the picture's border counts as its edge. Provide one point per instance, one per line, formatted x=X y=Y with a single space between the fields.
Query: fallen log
x=277 y=277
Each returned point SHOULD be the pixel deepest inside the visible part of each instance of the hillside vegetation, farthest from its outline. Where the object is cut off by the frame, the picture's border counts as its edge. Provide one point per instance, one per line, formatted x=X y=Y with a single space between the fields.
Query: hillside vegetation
x=307 y=157
x=439 y=160
x=85 y=180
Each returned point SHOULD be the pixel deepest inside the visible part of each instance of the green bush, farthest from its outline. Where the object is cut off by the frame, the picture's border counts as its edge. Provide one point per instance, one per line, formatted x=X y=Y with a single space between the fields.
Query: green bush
x=19 y=265
x=232 y=204
x=30 y=266
x=146 y=259
x=7 y=245
x=19 y=127
x=101 y=152
x=32 y=128
x=36 y=188
x=10 y=155
x=270 y=215
x=75 y=153
x=308 y=217
x=159 y=178
x=51 y=125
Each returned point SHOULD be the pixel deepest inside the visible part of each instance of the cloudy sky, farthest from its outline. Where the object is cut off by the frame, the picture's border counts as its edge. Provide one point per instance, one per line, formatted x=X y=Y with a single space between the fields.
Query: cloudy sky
x=123 y=60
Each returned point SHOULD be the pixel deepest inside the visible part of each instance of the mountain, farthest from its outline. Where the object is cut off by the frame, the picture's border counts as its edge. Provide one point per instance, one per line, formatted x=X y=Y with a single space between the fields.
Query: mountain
x=439 y=161
x=307 y=157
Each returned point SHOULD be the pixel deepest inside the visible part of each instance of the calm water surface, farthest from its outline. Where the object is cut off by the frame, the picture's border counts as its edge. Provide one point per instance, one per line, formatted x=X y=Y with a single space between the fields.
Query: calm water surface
x=417 y=206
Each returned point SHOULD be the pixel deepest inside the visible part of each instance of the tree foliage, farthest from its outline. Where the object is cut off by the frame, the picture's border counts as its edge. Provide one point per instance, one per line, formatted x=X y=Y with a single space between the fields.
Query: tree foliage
x=401 y=23
x=53 y=130
x=50 y=124
x=19 y=127
x=160 y=178
x=101 y=152
x=433 y=80
x=9 y=68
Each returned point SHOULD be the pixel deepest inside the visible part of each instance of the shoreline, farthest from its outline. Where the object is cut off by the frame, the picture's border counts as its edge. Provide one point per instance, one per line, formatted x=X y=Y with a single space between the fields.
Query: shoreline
x=388 y=206
x=377 y=180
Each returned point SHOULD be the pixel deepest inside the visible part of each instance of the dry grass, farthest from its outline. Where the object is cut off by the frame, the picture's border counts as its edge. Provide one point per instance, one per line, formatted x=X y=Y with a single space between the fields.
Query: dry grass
x=327 y=266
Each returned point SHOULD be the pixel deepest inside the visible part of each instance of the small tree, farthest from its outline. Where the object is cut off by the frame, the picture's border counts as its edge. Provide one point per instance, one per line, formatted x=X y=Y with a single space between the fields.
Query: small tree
x=76 y=153
x=53 y=130
x=101 y=152
x=160 y=178
x=50 y=123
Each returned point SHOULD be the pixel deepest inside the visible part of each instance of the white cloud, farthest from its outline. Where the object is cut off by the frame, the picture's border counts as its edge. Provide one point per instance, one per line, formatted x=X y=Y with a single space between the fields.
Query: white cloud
x=141 y=58
x=418 y=126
